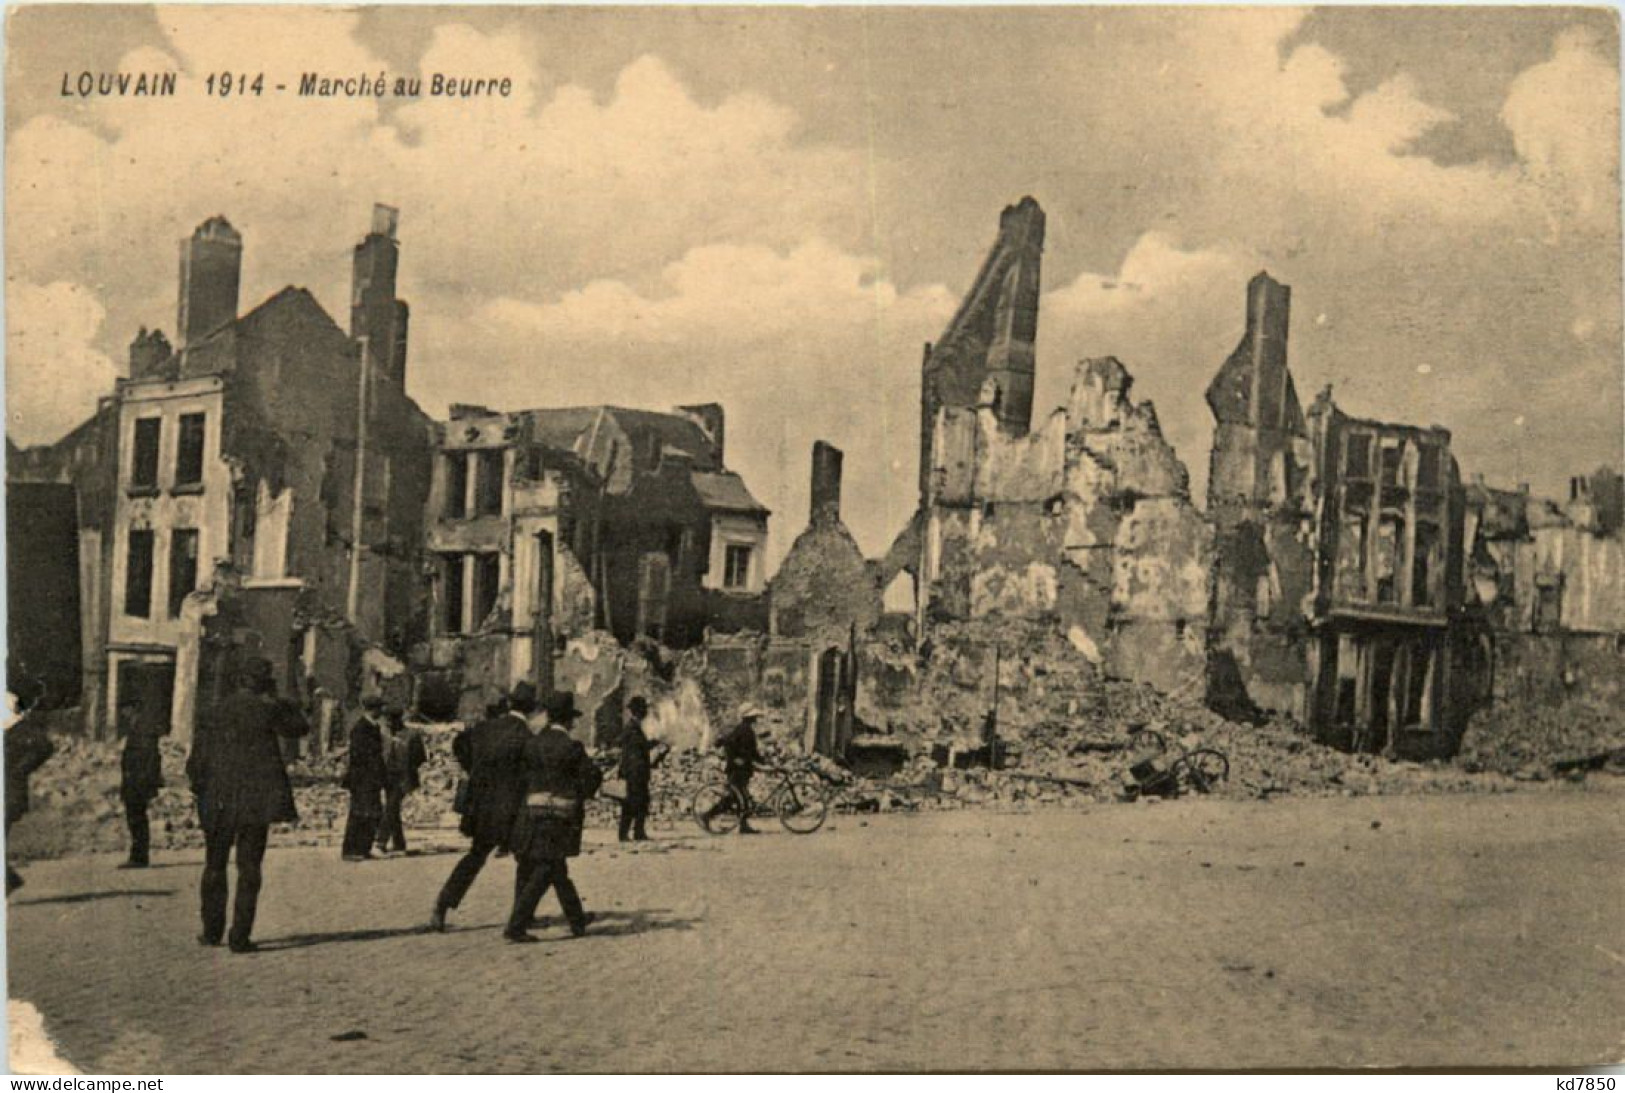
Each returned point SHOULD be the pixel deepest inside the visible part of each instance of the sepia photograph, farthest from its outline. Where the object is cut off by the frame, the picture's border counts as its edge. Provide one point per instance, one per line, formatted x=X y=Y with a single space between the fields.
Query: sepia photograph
x=723 y=540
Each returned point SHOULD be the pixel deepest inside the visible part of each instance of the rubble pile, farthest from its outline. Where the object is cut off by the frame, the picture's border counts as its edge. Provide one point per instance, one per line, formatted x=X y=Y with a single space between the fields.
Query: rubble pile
x=1532 y=741
x=1067 y=733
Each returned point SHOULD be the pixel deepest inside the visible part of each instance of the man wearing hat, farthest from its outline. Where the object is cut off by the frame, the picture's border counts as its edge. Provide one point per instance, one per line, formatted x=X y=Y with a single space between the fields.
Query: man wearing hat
x=741 y=753
x=141 y=775
x=635 y=767
x=364 y=777
x=490 y=754
x=404 y=753
x=242 y=788
x=559 y=777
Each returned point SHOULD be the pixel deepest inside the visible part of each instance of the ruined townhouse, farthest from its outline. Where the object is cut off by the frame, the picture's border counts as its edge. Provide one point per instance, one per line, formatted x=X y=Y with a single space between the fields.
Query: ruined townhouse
x=1085 y=522
x=547 y=524
x=1338 y=582
x=1549 y=579
x=258 y=483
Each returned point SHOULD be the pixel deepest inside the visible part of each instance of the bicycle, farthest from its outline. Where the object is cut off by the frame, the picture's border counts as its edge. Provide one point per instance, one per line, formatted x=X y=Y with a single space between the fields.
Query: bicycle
x=1201 y=769
x=800 y=799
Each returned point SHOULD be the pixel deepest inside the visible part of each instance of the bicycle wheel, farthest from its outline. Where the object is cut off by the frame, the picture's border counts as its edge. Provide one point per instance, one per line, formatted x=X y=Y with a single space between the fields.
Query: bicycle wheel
x=717 y=807
x=1205 y=769
x=802 y=804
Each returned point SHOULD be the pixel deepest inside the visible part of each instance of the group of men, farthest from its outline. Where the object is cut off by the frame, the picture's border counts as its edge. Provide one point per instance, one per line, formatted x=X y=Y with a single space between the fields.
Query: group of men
x=382 y=768
x=525 y=792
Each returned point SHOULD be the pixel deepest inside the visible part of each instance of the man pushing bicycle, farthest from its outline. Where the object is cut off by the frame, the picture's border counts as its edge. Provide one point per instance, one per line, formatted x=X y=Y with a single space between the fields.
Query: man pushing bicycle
x=741 y=755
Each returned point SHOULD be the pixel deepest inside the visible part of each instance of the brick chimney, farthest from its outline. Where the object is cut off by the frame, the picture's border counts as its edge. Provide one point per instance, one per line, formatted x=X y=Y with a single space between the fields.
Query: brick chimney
x=826 y=483
x=151 y=355
x=375 y=313
x=211 y=275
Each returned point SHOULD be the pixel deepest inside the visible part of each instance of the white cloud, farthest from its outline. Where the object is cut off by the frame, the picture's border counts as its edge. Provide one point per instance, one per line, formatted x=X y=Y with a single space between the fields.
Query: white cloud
x=54 y=372
x=1170 y=314
x=801 y=345
x=1564 y=118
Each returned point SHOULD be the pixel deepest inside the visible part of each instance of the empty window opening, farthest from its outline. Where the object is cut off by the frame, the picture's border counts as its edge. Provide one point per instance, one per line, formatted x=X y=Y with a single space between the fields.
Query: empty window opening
x=451 y=590
x=488 y=483
x=456 y=465
x=487 y=584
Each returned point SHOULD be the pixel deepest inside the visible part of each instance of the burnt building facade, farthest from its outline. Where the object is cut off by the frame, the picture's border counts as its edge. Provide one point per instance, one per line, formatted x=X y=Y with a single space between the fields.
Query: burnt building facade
x=261 y=481
x=1338 y=579
x=546 y=524
x=1084 y=520
x=1549 y=579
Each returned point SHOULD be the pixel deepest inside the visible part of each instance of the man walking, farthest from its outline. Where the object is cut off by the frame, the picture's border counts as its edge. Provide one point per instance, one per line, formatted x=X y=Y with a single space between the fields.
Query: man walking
x=404 y=753
x=364 y=777
x=559 y=777
x=140 y=777
x=490 y=753
x=635 y=769
x=242 y=788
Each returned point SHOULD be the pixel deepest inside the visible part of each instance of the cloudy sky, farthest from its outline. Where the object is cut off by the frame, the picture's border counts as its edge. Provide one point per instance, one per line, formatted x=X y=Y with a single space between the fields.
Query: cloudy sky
x=775 y=209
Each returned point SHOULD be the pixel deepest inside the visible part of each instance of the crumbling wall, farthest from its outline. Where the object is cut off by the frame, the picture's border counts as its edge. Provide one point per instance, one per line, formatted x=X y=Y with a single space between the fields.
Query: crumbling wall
x=1555 y=668
x=1157 y=634
x=593 y=668
x=823 y=587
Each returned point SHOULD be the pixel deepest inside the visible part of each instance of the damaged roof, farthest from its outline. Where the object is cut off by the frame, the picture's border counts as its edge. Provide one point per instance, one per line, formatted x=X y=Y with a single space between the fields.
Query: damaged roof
x=725 y=492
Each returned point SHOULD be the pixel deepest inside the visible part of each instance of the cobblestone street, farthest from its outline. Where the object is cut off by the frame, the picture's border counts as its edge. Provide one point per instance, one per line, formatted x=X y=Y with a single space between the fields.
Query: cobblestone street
x=1453 y=931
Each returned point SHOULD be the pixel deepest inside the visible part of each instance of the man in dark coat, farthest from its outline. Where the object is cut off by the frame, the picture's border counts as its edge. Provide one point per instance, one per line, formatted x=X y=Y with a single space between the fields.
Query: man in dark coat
x=559 y=777
x=635 y=767
x=490 y=753
x=141 y=776
x=242 y=788
x=404 y=753
x=364 y=777
x=28 y=746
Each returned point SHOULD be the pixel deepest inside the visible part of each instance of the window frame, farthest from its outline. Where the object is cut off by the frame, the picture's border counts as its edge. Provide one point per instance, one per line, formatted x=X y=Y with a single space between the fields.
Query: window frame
x=131 y=571
x=182 y=483
x=176 y=594
x=135 y=480
x=728 y=554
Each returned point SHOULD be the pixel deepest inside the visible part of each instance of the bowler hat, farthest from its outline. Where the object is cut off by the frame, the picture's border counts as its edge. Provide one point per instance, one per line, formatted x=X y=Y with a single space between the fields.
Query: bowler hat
x=372 y=702
x=561 y=707
x=638 y=705
x=523 y=696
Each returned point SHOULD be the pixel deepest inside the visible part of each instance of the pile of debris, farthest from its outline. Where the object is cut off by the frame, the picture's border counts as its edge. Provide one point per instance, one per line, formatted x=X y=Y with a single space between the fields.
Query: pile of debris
x=1533 y=741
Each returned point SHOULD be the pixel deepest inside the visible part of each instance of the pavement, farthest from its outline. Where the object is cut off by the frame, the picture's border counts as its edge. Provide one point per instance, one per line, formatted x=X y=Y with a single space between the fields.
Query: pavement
x=1442 y=931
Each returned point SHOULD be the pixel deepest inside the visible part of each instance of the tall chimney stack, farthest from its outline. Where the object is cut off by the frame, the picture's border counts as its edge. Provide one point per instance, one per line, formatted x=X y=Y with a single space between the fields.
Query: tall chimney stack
x=375 y=313
x=1269 y=309
x=211 y=275
x=826 y=483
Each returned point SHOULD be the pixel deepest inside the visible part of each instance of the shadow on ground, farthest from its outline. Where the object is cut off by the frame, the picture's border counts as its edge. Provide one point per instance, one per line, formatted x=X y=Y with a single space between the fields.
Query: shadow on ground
x=89 y=897
x=605 y=924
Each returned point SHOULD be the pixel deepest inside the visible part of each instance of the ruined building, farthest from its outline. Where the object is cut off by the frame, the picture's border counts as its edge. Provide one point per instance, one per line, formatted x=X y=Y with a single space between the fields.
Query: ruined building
x=1550 y=580
x=824 y=588
x=546 y=524
x=1338 y=578
x=263 y=479
x=1085 y=521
